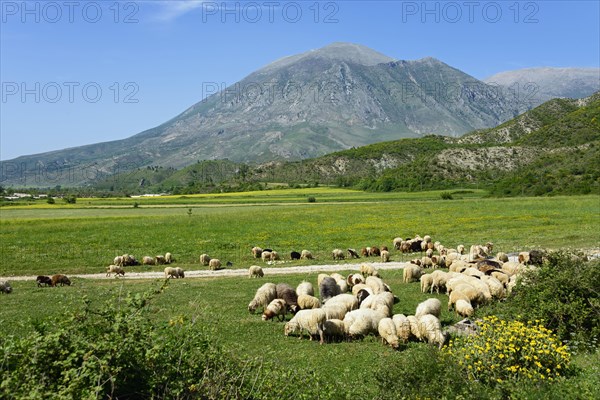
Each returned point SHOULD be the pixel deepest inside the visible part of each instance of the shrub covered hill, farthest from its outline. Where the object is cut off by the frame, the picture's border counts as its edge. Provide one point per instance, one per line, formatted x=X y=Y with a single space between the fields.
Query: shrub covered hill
x=551 y=149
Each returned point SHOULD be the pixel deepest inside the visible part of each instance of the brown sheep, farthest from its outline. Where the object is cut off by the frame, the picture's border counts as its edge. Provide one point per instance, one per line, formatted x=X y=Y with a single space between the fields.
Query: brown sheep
x=59 y=278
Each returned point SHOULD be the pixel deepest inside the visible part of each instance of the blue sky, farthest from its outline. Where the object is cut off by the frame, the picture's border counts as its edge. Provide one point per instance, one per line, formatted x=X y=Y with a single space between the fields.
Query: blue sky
x=82 y=72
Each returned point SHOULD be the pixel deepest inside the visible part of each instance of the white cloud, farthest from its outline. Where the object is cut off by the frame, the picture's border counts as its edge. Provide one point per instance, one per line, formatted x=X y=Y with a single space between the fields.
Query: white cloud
x=170 y=10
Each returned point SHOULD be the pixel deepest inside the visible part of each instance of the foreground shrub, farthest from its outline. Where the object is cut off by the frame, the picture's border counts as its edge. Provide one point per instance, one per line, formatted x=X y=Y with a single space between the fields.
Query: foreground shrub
x=116 y=351
x=564 y=294
x=510 y=351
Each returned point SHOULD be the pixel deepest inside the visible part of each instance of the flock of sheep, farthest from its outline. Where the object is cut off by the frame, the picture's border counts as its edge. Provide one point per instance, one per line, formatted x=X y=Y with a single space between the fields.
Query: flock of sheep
x=362 y=304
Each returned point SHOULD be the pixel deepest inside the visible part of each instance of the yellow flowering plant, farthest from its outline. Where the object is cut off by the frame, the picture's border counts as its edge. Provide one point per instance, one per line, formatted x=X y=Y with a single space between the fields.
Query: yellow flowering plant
x=510 y=350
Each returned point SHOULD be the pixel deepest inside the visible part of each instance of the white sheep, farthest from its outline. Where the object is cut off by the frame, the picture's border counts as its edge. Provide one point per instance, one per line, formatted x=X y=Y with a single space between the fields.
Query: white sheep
x=387 y=331
x=306 y=255
x=115 y=269
x=411 y=273
x=147 y=260
x=376 y=284
x=501 y=256
x=430 y=306
x=429 y=253
x=214 y=264
x=368 y=270
x=204 y=259
x=255 y=272
x=426 y=282
x=439 y=279
x=385 y=256
x=362 y=322
x=118 y=261
x=461 y=249
x=256 y=252
x=320 y=278
x=415 y=330
x=402 y=327
x=276 y=308
x=335 y=311
x=168 y=258
x=358 y=287
x=431 y=330
x=338 y=254
x=334 y=329
x=355 y=279
x=464 y=308
x=495 y=286
x=275 y=256
x=305 y=287
x=397 y=242
x=306 y=301
x=171 y=272
x=426 y=262
x=382 y=302
x=307 y=320
x=502 y=277
x=345 y=299
x=342 y=284
x=5 y=287
x=266 y=256
x=264 y=295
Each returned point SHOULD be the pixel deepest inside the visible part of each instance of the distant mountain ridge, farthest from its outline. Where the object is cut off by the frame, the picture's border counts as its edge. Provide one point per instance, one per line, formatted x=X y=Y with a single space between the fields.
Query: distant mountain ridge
x=337 y=97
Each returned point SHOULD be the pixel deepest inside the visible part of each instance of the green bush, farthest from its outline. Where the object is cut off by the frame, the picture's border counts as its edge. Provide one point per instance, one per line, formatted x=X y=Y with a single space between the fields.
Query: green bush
x=312 y=199
x=446 y=196
x=563 y=293
x=116 y=351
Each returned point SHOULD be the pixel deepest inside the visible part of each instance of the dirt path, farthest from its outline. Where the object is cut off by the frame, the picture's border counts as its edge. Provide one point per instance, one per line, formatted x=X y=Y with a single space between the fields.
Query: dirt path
x=232 y=272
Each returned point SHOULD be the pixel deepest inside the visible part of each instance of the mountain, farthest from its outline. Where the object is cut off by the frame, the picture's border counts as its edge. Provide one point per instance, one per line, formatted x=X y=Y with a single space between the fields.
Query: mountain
x=534 y=86
x=552 y=149
x=337 y=97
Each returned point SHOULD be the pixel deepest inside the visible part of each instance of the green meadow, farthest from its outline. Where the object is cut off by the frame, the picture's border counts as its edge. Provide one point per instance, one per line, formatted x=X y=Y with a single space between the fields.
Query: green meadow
x=85 y=237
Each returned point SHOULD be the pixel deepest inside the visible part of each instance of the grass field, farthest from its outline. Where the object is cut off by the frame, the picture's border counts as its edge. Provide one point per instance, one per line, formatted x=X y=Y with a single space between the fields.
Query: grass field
x=85 y=238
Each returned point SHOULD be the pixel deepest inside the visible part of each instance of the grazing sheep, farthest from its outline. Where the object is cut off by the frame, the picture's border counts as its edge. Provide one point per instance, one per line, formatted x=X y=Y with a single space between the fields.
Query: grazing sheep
x=365 y=251
x=320 y=278
x=359 y=286
x=305 y=287
x=115 y=269
x=455 y=296
x=374 y=251
x=402 y=327
x=385 y=256
x=501 y=256
x=256 y=252
x=464 y=308
x=294 y=255
x=266 y=255
x=352 y=253
x=502 y=277
x=458 y=266
x=431 y=330
x=328 y=288
x=362 y=294
x=376 y=284
x=168 y=258
x=264 y=295
x=176 y=273
x=275 y=256
x=255 y=272
x=415 y=330
x=354 y=279
x=430 y=306
x=307 y=320
x=337 y=276
x=426 y=282
x=439 y=279
x=397 y=242
x=387 y=331
x=512 y=267
x=43 y=280
x=147 y=260
x=411 y=273
x=368 y=270
x=129 y=260
x=426 y=262
x=306 y=301
x=477 y=253
x=59 y=278
x=333 y=329
x=338 y=254
x=335 y=310
x=342 y=284
x=204 y=259
x=118 y=261
x=5 y=287
x=347 y=300
x=214 y=264
x=362 y=322
x=496 y=287
x=306 y=255
x=429 y=253
x=382 y=302
x=276 y=308
x=288 y=294
x=160 y=260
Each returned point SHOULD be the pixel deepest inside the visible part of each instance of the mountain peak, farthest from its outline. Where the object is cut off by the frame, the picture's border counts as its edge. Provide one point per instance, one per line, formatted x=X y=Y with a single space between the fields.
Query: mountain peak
x=336 y=51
